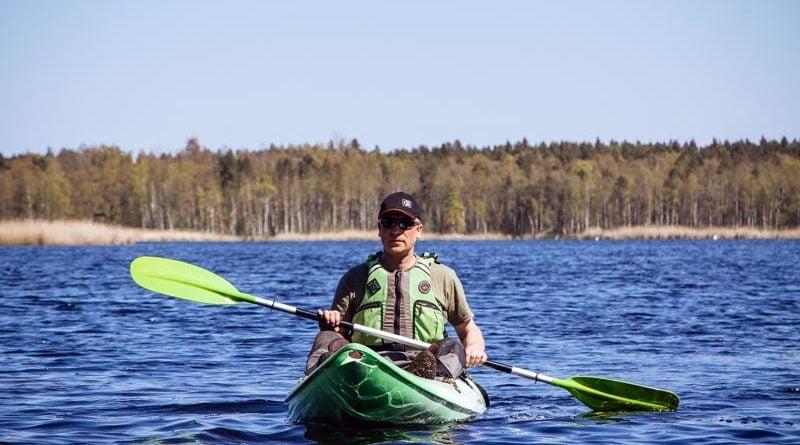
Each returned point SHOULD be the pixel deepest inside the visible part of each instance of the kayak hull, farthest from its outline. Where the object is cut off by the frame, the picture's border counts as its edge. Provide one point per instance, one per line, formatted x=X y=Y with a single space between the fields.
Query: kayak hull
x=357 y=385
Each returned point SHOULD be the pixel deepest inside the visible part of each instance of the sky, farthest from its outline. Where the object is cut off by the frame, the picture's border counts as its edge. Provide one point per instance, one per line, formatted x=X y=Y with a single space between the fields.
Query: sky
x=149 y=75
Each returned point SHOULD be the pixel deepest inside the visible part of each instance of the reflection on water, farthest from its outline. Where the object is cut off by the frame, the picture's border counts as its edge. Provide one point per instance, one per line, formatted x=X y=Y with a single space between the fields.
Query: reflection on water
x=436 y=434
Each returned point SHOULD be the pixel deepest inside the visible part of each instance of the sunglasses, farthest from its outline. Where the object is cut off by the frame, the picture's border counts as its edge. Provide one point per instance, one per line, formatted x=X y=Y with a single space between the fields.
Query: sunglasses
x=402 y=223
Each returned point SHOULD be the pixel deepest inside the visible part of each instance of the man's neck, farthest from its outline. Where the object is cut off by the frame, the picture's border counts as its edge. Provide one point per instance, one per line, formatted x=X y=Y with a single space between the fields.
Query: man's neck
x=393 y=264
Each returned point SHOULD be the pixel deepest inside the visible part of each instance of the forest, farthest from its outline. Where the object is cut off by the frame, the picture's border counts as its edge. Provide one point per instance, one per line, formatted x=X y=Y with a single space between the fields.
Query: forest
x=517 y=189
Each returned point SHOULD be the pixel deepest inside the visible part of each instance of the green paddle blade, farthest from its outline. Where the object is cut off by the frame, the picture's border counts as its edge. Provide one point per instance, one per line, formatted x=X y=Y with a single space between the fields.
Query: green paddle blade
x=602 y=394
x=182 y=280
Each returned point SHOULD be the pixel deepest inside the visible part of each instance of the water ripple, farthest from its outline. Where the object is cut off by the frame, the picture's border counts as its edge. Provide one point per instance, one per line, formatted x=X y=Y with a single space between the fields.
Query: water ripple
x=91 y=358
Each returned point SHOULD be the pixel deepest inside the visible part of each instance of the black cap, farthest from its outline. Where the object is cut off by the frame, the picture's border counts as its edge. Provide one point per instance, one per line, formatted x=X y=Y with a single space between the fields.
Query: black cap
x=403 y=203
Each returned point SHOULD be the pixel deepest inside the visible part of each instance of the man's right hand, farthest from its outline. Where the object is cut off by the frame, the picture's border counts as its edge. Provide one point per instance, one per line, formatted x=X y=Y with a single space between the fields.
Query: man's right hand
x=329 y=320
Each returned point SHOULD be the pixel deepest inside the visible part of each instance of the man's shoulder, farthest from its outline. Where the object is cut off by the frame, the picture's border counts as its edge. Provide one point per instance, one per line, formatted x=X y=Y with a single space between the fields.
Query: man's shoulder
x=362 y=266
x=357 y=273
x=442 y=271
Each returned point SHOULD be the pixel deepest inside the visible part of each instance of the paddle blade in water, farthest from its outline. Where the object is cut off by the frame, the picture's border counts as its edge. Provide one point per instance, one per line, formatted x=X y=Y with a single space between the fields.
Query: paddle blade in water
x=182 y=280
x=602 y=394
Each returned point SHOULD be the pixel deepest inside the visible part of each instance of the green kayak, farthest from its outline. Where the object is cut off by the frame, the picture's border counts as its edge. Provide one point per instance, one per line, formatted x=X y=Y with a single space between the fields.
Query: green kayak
x=357 y=385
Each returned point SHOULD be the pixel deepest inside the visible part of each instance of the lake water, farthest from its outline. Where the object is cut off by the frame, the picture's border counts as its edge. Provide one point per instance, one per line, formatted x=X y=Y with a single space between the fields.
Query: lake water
x=89 y=357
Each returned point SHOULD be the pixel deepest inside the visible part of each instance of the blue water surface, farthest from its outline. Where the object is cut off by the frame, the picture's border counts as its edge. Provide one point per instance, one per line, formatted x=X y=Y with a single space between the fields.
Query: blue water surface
x=89 y=357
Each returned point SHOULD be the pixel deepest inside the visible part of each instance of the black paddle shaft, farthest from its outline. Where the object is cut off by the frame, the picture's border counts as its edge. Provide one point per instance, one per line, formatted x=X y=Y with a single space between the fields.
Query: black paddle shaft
x=498 y=366
x=313 y=316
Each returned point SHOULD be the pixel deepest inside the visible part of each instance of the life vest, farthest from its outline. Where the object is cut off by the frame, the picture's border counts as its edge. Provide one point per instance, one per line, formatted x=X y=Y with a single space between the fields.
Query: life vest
x=401 y=302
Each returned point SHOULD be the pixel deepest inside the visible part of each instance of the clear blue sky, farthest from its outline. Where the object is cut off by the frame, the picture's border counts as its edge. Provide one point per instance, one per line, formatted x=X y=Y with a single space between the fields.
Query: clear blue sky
x=148 y=75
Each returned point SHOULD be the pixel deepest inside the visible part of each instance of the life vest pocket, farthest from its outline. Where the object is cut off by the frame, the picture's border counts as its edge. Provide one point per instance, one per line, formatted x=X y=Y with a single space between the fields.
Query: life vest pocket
x=370 y=315
x=428 y=321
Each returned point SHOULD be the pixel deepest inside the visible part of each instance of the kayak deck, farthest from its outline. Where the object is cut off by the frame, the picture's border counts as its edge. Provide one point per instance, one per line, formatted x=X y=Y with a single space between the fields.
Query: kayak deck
x=357 y=385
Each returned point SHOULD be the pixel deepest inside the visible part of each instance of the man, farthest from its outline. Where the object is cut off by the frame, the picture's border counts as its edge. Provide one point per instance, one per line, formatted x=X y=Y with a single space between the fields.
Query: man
x=398 y=291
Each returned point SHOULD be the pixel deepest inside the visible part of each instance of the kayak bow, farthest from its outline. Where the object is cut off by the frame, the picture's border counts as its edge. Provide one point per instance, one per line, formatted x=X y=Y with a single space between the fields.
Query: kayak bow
x=357 y=385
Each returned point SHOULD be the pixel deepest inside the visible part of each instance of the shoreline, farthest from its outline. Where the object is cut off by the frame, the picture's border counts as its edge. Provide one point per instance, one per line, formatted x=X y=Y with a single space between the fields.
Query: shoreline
x=88 y=233
x=682 y=232
x=66 y=232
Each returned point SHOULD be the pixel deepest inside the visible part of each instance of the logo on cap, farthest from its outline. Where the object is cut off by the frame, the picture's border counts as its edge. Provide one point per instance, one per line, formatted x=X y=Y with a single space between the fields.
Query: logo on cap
x=406 y=203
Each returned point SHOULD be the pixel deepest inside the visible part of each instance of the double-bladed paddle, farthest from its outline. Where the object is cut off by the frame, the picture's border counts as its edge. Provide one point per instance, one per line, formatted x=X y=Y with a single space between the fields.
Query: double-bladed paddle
x=193 y=283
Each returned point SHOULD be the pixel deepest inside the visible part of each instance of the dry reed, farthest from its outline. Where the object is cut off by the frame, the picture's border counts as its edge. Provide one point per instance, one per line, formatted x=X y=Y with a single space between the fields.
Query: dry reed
x=681 y=232
x=370 y=235
x=40 y=232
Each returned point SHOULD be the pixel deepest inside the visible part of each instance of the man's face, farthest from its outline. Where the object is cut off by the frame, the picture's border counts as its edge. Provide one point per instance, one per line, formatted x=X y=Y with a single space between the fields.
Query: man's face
x=398 y=233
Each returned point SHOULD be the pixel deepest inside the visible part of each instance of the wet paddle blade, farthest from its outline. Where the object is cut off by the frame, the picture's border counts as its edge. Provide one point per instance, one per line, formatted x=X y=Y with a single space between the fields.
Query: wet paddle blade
x=602 y=394
x=182 y=280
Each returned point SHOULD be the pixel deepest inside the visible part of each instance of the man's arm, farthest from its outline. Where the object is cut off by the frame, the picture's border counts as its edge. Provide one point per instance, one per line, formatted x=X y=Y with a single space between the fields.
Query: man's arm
x=349 y=293
x=474 y=345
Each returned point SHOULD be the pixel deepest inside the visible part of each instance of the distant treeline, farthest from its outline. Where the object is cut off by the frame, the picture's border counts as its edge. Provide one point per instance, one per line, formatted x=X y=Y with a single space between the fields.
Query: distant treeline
x=520 y=189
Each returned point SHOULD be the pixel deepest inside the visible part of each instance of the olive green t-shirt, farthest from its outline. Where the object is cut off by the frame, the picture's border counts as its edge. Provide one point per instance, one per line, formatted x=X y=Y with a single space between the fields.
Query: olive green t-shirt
x=446 y=286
